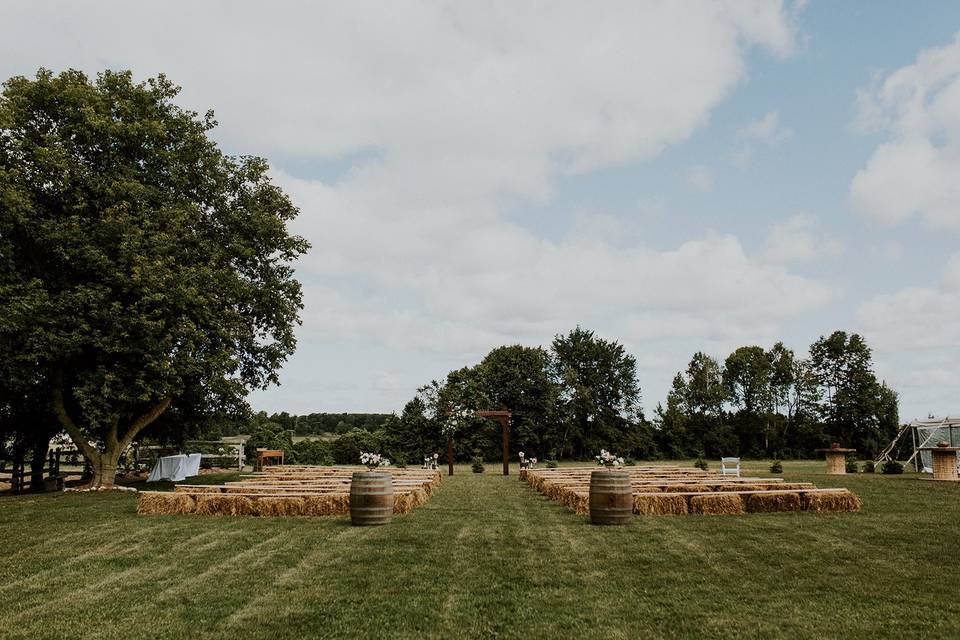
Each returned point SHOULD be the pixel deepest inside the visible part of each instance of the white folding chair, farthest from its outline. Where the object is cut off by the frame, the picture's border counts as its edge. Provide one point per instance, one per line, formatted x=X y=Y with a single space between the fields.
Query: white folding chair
x=730 y=466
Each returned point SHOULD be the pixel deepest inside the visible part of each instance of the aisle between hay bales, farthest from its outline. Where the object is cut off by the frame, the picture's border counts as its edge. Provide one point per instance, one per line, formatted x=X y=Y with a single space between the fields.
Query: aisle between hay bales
x=485 y=557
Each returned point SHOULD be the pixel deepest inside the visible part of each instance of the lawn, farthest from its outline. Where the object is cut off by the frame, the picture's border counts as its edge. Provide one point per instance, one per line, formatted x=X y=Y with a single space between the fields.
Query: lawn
x=486 y=557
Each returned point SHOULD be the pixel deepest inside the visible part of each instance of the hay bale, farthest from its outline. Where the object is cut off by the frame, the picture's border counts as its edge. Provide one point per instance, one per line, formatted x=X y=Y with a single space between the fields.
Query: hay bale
x=793 y=486
x=716 y=504
x=765 y=502
x=686 y=488
x=663 y=504
x=212 y=488
x=739 y=487
x=165 y=503
x=418 y=497
x=224 y=504
x=330 y=504
x=839 y=500
x=646 y=489
x=280 y=506
x=402 y=503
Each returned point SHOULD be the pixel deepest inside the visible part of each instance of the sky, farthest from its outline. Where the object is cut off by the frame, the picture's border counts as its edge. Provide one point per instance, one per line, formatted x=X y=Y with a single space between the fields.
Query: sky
x=676 y=176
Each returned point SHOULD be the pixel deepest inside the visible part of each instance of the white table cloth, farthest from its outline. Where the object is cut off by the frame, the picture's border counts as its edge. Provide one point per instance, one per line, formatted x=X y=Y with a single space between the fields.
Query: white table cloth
x=175 y=468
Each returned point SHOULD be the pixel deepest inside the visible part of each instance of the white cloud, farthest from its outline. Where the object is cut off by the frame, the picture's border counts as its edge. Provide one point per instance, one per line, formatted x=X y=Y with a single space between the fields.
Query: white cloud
x=461 y=112
x=700 y=177
x=915 y=333
x=798 y=240
x=914 y=172
x=766 y=130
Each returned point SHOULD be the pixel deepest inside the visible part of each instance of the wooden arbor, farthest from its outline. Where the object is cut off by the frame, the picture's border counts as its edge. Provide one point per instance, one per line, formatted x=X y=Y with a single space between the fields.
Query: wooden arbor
x=504 y=418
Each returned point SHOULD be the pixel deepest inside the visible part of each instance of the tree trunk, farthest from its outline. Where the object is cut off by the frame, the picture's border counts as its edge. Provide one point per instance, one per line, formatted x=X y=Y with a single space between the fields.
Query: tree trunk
x=104 y=462
x=449 y=455
x=104 y=469
x=40 y=448
x=38 y=462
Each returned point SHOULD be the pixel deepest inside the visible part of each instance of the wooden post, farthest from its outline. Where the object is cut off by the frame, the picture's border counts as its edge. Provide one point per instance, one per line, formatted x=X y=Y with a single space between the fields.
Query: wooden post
x=449 y=455
x=505 y=426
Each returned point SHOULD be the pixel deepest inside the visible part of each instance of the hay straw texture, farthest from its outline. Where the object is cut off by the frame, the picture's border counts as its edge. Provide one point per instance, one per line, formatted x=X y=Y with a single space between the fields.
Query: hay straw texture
x=687 y=488
x=165 y=502
x=838 y=500
x=765 y=502
x=280 y=506
x=331 y=504
x=225 y=505
x=663 y=504
x=288 y=491
x=717 y=504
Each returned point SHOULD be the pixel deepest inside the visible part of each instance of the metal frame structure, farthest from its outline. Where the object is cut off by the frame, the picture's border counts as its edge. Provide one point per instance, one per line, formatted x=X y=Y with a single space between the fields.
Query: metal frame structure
x=924 y=435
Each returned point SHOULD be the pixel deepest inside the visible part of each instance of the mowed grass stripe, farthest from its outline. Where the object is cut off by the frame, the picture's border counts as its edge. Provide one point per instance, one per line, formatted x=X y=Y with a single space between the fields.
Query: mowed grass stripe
x=488 y=556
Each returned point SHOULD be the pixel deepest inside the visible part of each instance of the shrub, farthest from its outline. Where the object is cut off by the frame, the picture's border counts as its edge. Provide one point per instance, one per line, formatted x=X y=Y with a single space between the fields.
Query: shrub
x=270 y=435
x=776 y=467
x=552 y=464
x=852 y=466
x=891 y=467
x=312 y=452
x=701 y=464
x=869 y=466
x=346 y=448
x=630 y=462
x=477 y=465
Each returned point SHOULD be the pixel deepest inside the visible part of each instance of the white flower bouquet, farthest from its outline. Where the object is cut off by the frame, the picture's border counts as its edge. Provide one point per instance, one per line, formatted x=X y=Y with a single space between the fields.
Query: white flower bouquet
x=607 y=459
x=373 y=460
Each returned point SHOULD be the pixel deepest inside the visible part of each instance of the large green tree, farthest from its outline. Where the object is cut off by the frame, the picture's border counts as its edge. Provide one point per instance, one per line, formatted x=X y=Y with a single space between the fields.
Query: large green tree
x=518 y=378
x=600 y=396
x=140 y=267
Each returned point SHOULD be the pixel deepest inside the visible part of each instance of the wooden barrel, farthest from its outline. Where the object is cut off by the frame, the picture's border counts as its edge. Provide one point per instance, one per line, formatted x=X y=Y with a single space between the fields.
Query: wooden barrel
x=371 y=498
x=611 y=497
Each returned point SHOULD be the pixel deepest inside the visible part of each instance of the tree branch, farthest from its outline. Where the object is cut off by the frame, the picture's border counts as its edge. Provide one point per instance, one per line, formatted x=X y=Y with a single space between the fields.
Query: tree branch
x=143 y=421
x=70 y=426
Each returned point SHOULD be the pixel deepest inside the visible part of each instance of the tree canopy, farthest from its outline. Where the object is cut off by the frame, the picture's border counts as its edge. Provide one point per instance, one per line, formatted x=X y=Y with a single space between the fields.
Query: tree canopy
x=141 y=268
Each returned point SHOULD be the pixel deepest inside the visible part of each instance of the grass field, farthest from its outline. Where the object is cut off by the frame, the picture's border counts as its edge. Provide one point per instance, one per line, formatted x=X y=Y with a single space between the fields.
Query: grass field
x=486 y=557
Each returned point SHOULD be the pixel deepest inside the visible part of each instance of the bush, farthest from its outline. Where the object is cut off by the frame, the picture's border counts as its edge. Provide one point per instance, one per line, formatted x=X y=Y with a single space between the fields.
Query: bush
x=630 y=462
x=852 y=466
x=869 y=466
x=477 y=465
x=312 y=452
x=552 y=464
x=270 y=435
x=776 y=467
x=701 y=464
x=891 y=467
x=346 y=448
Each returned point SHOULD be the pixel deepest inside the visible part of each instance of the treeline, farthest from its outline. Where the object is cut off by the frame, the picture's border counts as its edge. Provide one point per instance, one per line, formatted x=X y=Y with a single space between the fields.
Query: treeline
x=581 y=395
x=770 y=403
x=316 y=423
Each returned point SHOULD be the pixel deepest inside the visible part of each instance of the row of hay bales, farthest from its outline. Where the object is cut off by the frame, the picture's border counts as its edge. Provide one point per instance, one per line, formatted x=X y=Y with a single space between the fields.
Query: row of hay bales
x=287 y=491
x=673 y=490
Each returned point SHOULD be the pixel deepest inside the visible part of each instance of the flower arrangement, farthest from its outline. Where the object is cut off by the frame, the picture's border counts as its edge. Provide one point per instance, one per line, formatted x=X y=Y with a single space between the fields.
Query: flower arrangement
x=527 y=463
x=455 y=420
x=373 y=460
x=607 y=459
x=430 y=462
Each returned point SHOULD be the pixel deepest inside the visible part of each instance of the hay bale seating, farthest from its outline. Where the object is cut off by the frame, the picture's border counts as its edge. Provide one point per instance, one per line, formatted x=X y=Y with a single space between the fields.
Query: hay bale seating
x=842 y=500
x=286 y=491
x=670 y=490
x=659 y=504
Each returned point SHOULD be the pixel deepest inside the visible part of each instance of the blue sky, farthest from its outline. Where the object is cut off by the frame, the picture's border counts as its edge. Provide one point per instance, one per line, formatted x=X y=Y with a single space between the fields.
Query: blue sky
x=676 y=176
